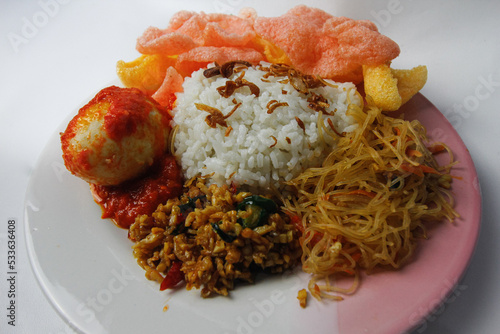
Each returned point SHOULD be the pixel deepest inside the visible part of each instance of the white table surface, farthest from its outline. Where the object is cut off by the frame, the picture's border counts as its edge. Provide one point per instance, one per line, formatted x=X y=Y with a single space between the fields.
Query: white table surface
x=49 y=68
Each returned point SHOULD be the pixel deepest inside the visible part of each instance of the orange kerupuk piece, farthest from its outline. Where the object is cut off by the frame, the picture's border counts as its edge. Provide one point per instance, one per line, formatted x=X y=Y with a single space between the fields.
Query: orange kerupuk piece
x=165 y=95
x=320 y=44
x=188 y=30
x=201 y=56
x=147 y=72
x=156 y=41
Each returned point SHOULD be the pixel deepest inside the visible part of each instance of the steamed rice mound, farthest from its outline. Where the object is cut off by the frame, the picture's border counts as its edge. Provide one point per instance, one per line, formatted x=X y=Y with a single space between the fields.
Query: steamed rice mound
x=265 y=137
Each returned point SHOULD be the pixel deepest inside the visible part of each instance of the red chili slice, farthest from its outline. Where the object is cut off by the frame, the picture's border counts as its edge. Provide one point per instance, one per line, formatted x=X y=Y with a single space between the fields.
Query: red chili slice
x=174 y=276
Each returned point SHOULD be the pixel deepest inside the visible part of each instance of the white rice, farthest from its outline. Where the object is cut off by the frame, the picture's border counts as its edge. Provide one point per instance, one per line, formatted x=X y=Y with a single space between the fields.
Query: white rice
x=247 y=156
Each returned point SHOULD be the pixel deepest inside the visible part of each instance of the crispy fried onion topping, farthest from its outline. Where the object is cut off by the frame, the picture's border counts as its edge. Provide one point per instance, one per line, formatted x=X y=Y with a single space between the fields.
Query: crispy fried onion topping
x=301 y=82
x=273 y=104
x=300 y=123
x=227 y=69
x=318 y=102
x=215 y=115
x=228 y=89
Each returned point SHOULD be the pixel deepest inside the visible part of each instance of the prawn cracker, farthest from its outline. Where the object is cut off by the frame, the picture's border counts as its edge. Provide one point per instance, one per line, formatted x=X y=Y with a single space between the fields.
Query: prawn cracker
x=318 y=43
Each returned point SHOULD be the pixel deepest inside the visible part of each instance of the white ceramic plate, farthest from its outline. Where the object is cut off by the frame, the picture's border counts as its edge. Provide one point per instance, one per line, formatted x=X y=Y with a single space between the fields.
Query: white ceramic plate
x=85 y=266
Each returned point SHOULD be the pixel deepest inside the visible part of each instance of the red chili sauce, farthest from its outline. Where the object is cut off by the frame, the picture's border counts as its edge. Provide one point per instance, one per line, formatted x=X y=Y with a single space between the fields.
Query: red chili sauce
x=128 y=108
x=122 y=203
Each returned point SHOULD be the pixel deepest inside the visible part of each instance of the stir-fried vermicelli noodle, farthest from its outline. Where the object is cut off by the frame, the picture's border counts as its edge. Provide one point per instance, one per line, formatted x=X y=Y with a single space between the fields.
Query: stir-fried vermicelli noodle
x=365 y=207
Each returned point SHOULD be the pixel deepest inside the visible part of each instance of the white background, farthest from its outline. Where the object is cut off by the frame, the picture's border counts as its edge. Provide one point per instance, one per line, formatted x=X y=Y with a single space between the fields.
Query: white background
x=55 y=54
